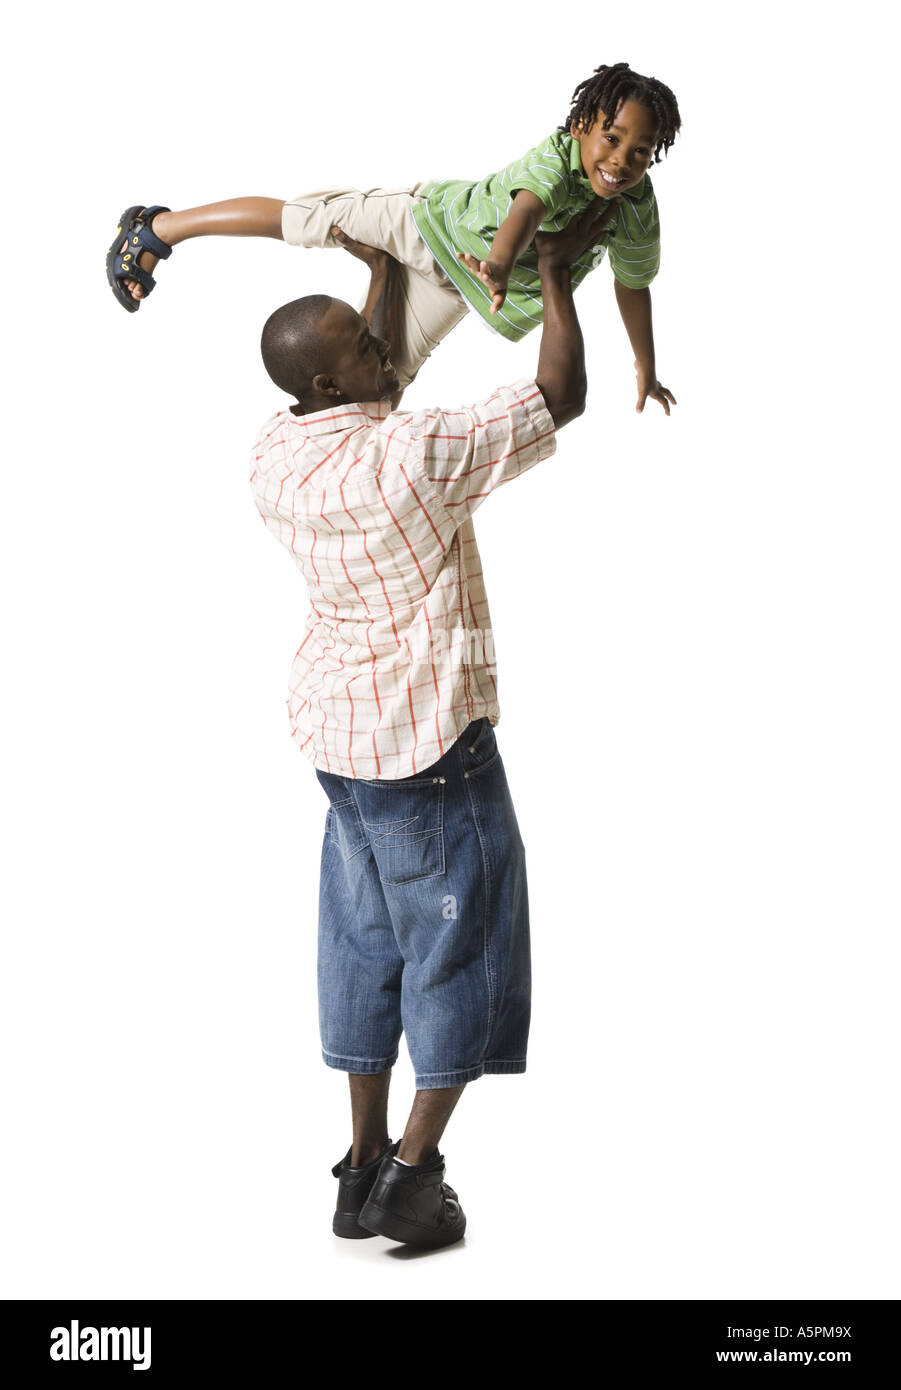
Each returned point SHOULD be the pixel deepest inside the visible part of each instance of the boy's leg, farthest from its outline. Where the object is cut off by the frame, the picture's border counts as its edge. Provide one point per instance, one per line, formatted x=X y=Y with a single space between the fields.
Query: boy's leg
x=234 y=217
x=428 y=313
x=382 y=217
x=432 y=306
x=370 y=217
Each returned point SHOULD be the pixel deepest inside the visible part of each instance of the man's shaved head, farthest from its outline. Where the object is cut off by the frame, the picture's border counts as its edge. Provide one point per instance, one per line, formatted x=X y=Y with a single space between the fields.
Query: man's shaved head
x=293 y=350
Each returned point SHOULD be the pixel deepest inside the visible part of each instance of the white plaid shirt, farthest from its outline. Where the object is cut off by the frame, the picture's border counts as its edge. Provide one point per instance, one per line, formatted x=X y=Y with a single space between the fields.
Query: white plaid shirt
x=375 y=507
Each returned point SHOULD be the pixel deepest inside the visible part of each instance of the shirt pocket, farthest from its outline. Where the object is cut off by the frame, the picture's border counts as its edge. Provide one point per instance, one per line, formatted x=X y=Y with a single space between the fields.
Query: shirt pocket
x=405 y=824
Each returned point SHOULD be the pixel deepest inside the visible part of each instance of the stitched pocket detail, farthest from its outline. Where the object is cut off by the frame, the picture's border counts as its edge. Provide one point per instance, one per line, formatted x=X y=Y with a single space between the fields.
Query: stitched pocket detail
x=405 y=825
x=344 y=828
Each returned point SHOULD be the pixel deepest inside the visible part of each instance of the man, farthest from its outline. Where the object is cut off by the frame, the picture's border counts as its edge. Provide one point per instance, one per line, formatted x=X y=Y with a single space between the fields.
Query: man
x=423 y=922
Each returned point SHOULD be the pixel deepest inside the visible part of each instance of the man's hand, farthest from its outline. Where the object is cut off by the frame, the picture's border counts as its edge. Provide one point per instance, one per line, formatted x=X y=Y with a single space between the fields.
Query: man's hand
x=649 y=388
x=383 y=309
x=369 y=255
x=565 y=247
x=491 y=273
x=376 y=310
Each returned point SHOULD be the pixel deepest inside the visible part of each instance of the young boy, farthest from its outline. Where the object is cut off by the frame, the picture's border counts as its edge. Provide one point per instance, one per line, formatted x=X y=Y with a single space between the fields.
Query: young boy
x=468 y=245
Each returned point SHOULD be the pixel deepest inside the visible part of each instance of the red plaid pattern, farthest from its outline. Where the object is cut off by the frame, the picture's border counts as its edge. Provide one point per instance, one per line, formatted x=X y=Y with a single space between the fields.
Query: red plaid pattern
x=375 y=506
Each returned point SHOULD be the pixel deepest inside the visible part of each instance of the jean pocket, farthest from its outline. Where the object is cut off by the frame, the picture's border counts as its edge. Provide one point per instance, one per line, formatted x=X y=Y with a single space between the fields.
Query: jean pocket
x=344 y=828
x=405 y=824
x=481 y=752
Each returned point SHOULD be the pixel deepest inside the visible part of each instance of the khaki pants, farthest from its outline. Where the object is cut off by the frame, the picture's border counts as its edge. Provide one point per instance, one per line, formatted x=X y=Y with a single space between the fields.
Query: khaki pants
x=382 y=217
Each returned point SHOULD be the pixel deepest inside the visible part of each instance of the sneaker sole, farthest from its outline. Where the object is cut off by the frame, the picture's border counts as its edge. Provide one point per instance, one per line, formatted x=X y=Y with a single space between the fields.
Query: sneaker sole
x=346 y=1225
x=380 y=1222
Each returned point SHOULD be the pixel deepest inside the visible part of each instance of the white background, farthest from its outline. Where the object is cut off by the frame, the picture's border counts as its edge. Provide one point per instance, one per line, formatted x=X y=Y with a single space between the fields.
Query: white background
x=704 y=758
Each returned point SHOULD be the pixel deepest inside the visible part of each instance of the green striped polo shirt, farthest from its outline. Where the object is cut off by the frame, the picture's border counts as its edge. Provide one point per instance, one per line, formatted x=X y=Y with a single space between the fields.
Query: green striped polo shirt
x=458 y=216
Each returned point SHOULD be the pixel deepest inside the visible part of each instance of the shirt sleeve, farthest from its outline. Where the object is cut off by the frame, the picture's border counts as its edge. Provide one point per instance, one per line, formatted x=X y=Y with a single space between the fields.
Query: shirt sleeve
x=545 y=173
x=634 y=248
x=465 y=454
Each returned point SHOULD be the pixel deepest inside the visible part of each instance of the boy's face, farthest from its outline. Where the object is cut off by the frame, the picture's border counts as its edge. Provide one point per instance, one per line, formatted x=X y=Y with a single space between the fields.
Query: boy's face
x=616 y=159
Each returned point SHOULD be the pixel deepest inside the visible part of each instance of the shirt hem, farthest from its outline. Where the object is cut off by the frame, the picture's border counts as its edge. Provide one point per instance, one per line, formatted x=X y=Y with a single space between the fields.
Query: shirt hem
x=491 y=712
x=470 y=288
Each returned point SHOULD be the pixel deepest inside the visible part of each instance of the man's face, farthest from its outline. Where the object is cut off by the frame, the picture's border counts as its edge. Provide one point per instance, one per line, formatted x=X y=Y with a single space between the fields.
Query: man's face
x=616 y=159
x=358 y=362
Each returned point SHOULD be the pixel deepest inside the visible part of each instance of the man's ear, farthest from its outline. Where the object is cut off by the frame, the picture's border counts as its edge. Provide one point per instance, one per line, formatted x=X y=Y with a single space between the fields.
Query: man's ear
x=325 y=385
x=576 y=130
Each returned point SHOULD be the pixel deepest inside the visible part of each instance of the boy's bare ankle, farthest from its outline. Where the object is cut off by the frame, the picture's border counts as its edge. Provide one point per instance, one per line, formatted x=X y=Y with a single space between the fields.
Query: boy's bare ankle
x=164 y=226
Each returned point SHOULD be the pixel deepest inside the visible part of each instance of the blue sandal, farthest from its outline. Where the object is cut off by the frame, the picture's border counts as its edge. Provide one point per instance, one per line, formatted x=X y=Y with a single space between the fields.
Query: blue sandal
x=135 y=224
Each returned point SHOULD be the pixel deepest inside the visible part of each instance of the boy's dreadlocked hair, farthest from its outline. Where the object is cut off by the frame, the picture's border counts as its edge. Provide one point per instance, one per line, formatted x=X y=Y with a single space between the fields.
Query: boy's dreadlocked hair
x=609 y=86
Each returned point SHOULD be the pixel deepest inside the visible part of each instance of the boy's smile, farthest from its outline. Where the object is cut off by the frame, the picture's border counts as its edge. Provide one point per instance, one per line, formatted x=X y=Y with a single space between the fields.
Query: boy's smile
x=616 y=159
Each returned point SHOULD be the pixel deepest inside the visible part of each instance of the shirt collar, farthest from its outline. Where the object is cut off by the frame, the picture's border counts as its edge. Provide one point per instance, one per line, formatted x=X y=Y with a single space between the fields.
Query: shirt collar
x=340 y=417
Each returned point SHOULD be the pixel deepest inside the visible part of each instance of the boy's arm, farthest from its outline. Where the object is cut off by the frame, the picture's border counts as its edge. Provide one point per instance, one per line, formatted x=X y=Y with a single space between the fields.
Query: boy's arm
x=635 y=309
x=512 y=237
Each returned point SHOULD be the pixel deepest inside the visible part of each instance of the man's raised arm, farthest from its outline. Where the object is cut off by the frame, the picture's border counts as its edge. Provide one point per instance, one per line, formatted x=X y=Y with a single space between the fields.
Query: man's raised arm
x=561 y=359
x=383 y=309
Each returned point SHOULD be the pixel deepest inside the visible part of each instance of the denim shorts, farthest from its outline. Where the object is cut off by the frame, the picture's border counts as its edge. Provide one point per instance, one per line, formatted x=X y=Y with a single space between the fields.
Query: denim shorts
x=424 y=920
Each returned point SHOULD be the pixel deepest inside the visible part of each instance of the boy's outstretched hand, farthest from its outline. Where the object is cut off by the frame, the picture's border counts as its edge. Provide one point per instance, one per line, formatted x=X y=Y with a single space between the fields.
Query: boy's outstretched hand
x=491 y=273
x=564 y=248
x=649 y=388
x=567 y=245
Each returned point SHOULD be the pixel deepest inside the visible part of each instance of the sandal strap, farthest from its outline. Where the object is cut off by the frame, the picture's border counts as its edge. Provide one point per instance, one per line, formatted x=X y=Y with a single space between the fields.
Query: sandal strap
x=141 y=236
x=129 y=270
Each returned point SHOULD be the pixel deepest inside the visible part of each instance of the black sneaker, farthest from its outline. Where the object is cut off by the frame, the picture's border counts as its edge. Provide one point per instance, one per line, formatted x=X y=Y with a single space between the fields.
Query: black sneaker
x=414 y=1204
x=354 y=1186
